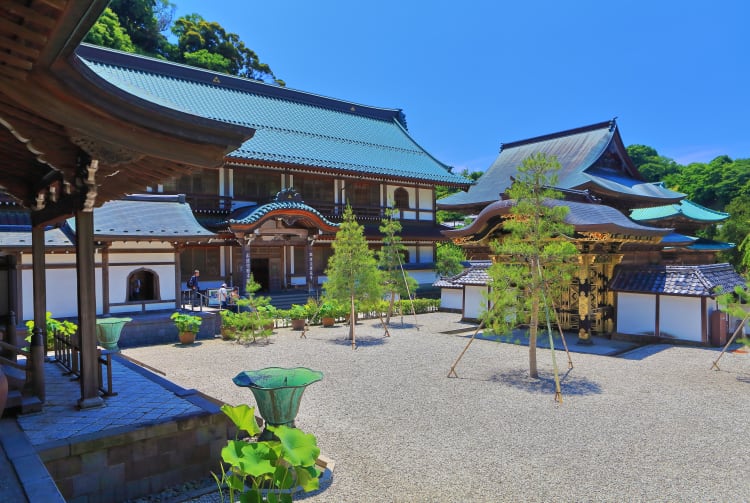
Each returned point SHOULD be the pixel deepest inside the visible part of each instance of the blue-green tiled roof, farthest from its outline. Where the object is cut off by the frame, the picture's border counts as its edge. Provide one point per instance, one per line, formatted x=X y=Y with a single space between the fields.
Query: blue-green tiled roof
x=252 y=214
x=685 y=209
x=291 y=126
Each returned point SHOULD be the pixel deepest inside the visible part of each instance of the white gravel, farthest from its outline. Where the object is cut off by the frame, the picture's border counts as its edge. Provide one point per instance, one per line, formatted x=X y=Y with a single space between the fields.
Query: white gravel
x=661 y=428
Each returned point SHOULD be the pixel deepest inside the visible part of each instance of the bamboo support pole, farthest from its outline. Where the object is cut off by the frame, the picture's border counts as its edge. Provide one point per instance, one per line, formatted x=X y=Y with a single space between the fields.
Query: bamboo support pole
x=731 y=340
x=452 y=372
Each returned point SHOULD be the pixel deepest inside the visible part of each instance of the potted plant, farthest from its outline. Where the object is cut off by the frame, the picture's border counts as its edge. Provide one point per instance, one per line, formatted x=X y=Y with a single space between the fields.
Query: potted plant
x=187 y=326
x=297 y=314
x=228 y=324
x=329 y=310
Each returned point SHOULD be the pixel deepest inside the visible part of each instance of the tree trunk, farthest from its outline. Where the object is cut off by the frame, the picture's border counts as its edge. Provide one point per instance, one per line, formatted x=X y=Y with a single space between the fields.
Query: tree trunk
x=533 y=326
x=352 y=321
x=390 y=308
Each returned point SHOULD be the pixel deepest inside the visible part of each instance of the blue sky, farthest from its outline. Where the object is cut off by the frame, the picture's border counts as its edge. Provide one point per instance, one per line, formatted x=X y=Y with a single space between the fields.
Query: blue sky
x=474 y=74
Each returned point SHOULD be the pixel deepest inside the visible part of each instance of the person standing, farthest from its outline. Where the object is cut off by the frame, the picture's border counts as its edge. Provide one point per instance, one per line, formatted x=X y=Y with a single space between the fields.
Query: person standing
x=222 y=296
x=194 y=288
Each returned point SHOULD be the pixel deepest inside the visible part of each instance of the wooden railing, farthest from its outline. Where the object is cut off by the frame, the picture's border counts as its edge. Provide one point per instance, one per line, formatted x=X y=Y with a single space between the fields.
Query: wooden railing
x=68 y=355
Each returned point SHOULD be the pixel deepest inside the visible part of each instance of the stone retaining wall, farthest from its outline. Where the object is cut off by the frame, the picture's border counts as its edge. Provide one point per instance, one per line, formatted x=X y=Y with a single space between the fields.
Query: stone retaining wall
x=137 y=462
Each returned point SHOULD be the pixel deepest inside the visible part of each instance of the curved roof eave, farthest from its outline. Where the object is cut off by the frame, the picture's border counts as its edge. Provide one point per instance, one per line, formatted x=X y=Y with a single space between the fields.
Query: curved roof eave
x=284 y=210
x=584 y=217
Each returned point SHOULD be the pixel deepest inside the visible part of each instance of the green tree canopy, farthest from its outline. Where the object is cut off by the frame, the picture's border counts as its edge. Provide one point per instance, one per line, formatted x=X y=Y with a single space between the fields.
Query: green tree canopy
x=353 y=274
x=533 y=264
x=139 y=26
x=449 y=259
x=145 y=21
x=196 y=35
x=108 y=32
x=652 y=166
x=390 y=260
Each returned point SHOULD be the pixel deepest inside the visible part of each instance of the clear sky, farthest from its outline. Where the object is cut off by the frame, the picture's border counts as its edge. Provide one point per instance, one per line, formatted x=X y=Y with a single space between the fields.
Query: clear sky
x=474 y=74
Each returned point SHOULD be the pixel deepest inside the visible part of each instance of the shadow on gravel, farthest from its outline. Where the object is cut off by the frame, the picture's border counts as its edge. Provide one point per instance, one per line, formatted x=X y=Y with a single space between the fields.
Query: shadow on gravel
x=361 y=341
x=187 y=346
x=570 y=385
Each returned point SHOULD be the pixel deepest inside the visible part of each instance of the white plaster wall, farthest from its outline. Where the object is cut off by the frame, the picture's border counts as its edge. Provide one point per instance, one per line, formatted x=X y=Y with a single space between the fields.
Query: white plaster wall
x=412 y=250
x=451 y=298
x=425 y=255
x=62 y=296
x=680 y=317
x=410 y=215
x=636 y=313
x=426 y=216
x=391 y=189
x=136 y=258
x=423 y=276
x=118 y=277
x=475 y=302
x=425 y=199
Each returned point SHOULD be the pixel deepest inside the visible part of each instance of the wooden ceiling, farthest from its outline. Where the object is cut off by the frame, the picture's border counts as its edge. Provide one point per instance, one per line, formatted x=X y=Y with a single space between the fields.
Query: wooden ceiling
x=69 y=140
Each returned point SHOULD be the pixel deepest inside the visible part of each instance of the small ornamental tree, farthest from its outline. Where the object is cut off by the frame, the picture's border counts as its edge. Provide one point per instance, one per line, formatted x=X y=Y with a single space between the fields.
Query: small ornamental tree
x=390 y=260
x=353 y=275
x=534 y=262
x=449 y=259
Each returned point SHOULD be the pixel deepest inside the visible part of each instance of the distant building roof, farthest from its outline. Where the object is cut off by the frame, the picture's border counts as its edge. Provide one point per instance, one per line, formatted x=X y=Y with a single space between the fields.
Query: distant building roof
x=292 y=127
x=683 y=210
x=476 y=275
x=591 y=157
x=693 y=280
x=20 y=237
x=147 y=216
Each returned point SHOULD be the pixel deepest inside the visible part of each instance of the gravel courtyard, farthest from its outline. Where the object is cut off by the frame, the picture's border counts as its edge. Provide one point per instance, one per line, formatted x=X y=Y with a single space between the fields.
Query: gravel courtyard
x=656 y=425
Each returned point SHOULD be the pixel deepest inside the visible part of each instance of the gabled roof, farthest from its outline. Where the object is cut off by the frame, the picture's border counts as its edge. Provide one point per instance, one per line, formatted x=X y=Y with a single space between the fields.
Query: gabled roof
x=693 y=280
x=685 y=210
x=292 y=127
x=147 y=216
x=591 y=157
x=476 y=274
x=253 y=215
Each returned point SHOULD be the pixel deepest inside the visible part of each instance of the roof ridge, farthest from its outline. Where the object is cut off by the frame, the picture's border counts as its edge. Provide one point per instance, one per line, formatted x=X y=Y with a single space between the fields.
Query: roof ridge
x=610 y=124
x=114 y=57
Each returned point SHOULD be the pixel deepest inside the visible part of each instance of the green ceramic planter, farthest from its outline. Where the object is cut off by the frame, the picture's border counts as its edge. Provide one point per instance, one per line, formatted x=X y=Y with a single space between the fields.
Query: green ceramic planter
x=278 y=392
x=108 y=331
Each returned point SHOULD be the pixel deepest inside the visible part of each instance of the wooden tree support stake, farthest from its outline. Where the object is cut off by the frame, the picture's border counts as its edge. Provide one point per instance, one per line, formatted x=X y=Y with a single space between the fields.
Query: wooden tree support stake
x=385 y=327
x=731 y=340
x=452 y=372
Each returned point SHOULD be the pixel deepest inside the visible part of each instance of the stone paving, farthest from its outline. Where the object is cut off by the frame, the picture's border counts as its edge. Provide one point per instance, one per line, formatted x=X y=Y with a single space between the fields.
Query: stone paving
x=139 y=400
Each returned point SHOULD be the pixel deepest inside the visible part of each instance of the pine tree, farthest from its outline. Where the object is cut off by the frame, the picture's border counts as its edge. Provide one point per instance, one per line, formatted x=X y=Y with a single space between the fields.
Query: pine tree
x=390 y=260
x=534 y=262
x=353 y=275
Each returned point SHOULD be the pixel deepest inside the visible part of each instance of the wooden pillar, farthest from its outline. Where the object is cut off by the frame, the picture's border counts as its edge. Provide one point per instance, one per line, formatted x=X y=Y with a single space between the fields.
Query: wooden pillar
x=177 y=277
x=39 y=334
x=85 y=273
x=105 y=278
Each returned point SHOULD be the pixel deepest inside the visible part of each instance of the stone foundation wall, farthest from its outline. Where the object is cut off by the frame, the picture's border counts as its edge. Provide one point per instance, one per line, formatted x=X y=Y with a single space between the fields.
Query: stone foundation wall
x=147 y=331
x=138 y=462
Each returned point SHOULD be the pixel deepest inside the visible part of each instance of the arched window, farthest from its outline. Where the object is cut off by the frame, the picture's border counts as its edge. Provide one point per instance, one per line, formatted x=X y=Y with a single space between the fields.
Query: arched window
x=143 y=284
x=401 y=199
